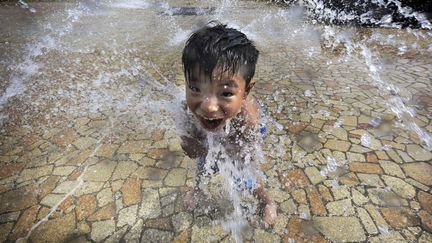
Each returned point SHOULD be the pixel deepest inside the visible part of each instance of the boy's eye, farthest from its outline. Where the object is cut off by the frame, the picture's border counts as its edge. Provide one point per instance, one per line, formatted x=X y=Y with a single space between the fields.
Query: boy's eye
x=227 y=94
x=194 y=89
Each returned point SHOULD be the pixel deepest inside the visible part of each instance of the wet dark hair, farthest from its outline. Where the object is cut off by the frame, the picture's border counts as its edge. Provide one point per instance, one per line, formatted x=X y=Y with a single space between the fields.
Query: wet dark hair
x=216 y=46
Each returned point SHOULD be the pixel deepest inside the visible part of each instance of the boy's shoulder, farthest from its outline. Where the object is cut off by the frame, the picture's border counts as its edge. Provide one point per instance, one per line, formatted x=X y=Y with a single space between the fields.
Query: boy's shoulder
x=250 y=113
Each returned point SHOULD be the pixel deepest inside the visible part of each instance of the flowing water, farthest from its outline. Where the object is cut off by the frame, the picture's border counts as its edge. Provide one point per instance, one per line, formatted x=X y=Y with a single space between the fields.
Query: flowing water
x=91 y=113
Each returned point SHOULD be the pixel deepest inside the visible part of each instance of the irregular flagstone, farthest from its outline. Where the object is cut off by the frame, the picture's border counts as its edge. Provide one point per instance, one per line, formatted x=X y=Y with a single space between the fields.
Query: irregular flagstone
x=419 y=171
x=117 y=236
x=358 y=198
x=65 y=137
x=341 y=208
x=131 y=191
x=392 y=236
x=65 y=187
x=400 y=217
x=124 y=169
x=181 y=221
x=55 y=230
x=425 y=200
x=370 y=180
x=399 y=186
x=385 y=197
x=299 y=230
x=367 y=221
x=133 y=147
x=293 y=179
x=392 y=169
x=106 y=212
x=151 y=173
x=4 y=231
x=102 y=229
x=337 y=228
x=18 y=199
x=206 y=233
x=365 y=167
x=63 y=170
x=418 y=153
x=37 y=172
x=183 y=236
x=150 y=206
x=338 y=145
x=154 y=235
x=350 y=179
x=127 y=216
x=84 y=142
x=107 y=150
x=263 y=236
x=426 y=220
x=11 y=169
x=51 y=200
x=314 y=175
x=24 y=223
x=315 y=201
x=89 y=187
x=176 y=177
x=86 y=206
x=9 y=217
x=134 y=233
x=376 y=215
x=104 y=197
x=100 y=172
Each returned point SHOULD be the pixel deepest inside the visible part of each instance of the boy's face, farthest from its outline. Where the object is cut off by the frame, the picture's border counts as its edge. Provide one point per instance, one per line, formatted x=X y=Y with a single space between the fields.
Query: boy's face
x=215 y=101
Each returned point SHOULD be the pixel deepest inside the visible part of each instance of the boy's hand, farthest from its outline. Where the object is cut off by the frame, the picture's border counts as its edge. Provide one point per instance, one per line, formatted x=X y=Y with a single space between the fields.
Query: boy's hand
x=193 y=147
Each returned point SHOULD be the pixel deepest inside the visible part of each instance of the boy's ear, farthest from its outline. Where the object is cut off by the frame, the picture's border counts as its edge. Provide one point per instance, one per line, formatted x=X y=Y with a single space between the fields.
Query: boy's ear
x=249 y=87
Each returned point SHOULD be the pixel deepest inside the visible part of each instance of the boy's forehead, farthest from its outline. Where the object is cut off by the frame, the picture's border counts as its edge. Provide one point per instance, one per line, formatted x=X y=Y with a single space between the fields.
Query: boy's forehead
x=217 y=74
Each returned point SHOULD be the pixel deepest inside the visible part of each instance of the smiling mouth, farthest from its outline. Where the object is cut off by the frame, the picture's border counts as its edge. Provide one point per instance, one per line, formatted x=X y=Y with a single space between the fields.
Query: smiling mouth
x=211 y=123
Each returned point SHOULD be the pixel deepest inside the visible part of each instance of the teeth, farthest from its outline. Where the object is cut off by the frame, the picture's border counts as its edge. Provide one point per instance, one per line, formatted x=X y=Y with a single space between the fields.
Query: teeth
x=212 y=119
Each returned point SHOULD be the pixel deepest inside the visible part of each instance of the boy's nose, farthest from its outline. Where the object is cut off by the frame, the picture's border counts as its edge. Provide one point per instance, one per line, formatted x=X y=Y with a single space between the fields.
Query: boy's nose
x=209 y=105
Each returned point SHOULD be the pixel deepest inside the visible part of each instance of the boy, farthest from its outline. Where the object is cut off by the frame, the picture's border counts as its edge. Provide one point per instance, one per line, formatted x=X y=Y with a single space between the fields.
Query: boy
x=219 y=64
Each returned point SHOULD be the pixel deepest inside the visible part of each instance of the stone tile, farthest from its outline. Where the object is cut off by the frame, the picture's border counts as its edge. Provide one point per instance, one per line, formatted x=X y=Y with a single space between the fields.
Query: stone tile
x=106 y=212
x=11 y=169
x=51 y=200
x=425 y=200
x=299 y=196
x=418 y=153
x=293 y=179
x=325 y=193
x=426 y=220
x=131 y=191
x=101 y=171
x=400 y=217
x=102 y=229
x=299 y=230
x=201 y=234
x=89 y=187
x=355 y=157
x=419 y=171
x=127 y=216
x=133 y=147
x=84 y=142
x=107 y=150
x=304 y=211
x=154 y=235
x=117 y=236
x=24 y=223
x=9 y=217
x=338 y=145
x=340 y=192
x=314 y=175
x=315 y=201
x=176 y=177
x=399 y=186
x=370 y=180
x=181 y=221
x=263 y=236
x=370 y=168
x=18 y=199
x=134 y=233
x=392 y=169
x=288 y=207
x=358 y=198
x=150 y=206
x=350 y=179
x=367 y=221
x=392 y=236
x=150 y=173
x=65 y=187
x=65 y=137
x=341 y=208
x=376 y=215
x=55 y=230
x=63 y=170
x=160 y=224
x=86 y=206
x=384 y=197
x=37 y=172
x=4 y=231
x=394 y=156
x=335 y=228
x=124 y=169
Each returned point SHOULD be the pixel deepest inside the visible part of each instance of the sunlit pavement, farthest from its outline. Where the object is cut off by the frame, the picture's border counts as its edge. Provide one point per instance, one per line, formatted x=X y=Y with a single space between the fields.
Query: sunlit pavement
x=87 y=155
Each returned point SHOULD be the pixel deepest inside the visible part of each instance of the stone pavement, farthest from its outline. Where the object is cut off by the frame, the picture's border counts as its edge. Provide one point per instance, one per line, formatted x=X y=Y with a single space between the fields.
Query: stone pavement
x=92 y=155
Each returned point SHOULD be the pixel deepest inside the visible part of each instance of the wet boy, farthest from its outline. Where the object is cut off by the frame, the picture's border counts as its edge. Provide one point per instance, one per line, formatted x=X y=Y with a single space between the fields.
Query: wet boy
x=219 y=64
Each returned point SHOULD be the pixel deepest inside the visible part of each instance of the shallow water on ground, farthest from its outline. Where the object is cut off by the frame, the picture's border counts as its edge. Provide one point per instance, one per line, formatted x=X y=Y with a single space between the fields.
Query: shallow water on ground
x=89 y=149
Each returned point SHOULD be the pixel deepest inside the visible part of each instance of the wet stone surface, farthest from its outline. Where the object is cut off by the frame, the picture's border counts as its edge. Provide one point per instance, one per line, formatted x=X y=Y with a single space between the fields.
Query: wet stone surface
x=89 y=150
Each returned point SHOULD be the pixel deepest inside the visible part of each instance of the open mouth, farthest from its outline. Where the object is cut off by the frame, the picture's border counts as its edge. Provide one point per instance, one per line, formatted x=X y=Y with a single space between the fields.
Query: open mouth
x=211 y=123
